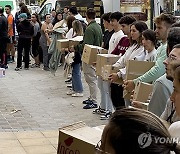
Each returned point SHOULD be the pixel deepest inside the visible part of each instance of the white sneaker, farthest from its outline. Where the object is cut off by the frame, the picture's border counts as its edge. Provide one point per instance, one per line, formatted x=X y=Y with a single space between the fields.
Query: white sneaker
x=77 y=95
x=70 y=92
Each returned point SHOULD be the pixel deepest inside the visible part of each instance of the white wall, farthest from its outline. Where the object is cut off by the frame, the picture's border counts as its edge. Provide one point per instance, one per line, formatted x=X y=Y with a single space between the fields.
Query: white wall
x=111 y=5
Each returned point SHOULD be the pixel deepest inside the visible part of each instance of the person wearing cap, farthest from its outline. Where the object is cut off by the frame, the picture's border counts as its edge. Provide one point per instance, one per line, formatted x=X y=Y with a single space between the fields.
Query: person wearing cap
x=25 y=31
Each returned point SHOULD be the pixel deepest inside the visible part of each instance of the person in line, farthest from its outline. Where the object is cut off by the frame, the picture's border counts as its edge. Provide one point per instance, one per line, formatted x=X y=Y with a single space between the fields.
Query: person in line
x=135 y=52
x=46 y=30
x=135 y=131
x=35 y=40
x=125 y=23
x=3 y=38
x=149 y=43
x=174 y=128
x=77 y=87
x=92 y=36
x=11 y=34
x=169 y=113
x=163 y=86
x=25 y=31
x=163 y=24
x=105 y=104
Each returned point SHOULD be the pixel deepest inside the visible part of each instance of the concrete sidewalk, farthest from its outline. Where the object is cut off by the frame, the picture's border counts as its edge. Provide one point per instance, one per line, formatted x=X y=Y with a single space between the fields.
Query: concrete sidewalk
x=33 y=142
x=36 y=100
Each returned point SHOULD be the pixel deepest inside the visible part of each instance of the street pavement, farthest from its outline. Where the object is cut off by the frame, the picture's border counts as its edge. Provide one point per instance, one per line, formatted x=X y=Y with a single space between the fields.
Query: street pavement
x=36 y=100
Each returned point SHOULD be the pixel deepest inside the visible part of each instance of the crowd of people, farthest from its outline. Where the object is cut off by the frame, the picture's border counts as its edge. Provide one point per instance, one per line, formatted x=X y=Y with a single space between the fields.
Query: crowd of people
x=125 y=36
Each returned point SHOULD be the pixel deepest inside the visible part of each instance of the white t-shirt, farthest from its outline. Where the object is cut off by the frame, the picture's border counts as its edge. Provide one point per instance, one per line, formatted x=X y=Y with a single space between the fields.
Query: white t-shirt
x=115 y=38
x=151 y=56
x=69 y=34
x=132 y=53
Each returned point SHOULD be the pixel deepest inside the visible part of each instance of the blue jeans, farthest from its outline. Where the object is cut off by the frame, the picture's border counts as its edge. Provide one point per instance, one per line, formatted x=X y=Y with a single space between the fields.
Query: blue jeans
x=76 y=78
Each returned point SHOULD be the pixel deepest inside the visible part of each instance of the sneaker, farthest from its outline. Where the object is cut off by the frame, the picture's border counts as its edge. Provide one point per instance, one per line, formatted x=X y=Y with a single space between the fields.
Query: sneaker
x=106 y=116
x=88 y=101
x=90 y=106
x=70 y=92
x=77 y=95
x=26 y=68
x=69 y=86
x=4 y=66
x=17 y=68
x=99 y=111
x=68 y=80
x=35 y=65
x=46 y=69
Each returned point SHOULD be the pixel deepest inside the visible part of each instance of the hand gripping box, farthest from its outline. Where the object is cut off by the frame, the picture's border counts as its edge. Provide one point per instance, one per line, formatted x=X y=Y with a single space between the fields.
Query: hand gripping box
x=142 y=91
x=134 y=69
x=90 y=52
x=78 y=139
x=105 y=59
x=109 y=69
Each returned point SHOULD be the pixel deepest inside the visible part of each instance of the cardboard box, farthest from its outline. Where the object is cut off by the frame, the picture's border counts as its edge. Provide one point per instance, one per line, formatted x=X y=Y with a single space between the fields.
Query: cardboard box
x=2 y=72
x=142 y=91
x=90 y=52
x=66 y=43
x=75 y=41
x=78 y=139
x=109 y=69
x=105 y=59
x=62 y=43
x=134 y=69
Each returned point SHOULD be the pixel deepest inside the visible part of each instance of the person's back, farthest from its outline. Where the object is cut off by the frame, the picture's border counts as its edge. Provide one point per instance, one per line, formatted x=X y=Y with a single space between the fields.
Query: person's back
x=94 y=34
x=3 y=26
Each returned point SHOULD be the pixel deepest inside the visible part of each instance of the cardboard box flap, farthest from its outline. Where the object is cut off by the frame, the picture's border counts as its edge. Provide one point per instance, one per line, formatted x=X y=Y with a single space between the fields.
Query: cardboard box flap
x=108 y=55
x=82 y=132
x=63 y=40
x=73 y=126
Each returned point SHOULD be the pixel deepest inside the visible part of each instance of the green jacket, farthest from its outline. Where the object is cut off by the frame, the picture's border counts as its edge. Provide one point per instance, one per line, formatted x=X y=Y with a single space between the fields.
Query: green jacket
x=93 y=36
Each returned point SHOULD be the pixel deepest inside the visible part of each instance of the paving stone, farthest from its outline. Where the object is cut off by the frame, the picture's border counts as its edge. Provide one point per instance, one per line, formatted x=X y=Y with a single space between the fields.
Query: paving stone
x=42 y=101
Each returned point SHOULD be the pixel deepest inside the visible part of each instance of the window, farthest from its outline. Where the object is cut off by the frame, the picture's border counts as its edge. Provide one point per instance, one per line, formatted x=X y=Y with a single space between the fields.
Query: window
x=45 y=10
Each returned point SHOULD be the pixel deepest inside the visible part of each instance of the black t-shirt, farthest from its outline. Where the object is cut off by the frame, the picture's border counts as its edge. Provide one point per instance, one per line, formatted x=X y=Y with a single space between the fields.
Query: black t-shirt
x=3 y=27
x=106 y=38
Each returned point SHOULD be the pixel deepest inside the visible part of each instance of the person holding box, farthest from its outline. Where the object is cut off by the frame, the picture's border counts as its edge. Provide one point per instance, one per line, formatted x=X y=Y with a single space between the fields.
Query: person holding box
x=92 y=36
x=135 y=52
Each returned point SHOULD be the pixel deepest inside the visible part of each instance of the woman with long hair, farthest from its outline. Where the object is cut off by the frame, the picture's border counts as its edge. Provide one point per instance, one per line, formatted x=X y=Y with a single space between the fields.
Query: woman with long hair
x=77 y=87
x=57 y=18
x=136 y=51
